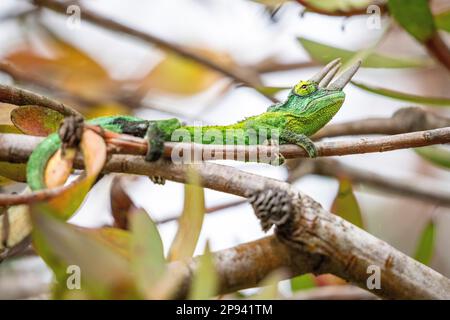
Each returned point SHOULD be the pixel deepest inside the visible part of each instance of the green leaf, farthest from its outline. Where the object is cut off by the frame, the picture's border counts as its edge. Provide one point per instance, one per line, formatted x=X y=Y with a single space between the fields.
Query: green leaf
x=147 y=254
x=36 y=120
x=191 y=220
x=305 y=281
x=206 y=281
x=437 y=155
x=345 y=204
x=433 y=101
x=442 y=20
x=324 y=53
x=414 y=16
x=425 y=246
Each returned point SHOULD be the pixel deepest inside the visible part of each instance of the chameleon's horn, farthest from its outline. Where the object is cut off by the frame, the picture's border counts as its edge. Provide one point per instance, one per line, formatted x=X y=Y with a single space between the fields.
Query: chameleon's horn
x=345 y=78
x=330 y=75
x=322 y=73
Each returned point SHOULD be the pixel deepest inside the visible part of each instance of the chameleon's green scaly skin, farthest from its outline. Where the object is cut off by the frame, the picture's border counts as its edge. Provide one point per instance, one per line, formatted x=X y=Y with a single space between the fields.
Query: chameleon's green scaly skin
x=308 y=108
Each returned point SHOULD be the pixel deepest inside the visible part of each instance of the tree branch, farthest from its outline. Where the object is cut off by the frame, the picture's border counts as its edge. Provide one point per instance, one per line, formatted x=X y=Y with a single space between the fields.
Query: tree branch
x=340 y=247
x=402 y=121
x=22 y=97
x=425 y=190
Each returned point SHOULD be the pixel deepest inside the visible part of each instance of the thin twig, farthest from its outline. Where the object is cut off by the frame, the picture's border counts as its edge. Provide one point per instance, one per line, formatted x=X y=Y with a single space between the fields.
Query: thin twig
x=22 y=97
x=424 y=190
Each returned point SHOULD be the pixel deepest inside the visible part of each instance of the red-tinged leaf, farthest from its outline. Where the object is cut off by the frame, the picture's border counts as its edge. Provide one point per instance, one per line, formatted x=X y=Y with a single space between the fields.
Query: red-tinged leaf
x=346 y=205
x=329 y=280
x=191 y=220
x=36 y=120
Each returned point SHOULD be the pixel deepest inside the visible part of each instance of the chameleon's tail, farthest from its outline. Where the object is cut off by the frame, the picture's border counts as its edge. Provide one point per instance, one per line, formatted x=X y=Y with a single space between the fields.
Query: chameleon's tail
x=38 y=161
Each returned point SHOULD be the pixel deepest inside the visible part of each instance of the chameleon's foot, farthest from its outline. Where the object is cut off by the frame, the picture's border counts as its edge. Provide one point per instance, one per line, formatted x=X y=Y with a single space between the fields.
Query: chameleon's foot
x=302 y=141
x=155 y=140
x=271 y=207
x=158 y=180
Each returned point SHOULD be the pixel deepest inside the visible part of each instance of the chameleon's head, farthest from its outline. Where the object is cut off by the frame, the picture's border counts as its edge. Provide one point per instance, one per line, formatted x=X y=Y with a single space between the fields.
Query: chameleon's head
x=316 y=98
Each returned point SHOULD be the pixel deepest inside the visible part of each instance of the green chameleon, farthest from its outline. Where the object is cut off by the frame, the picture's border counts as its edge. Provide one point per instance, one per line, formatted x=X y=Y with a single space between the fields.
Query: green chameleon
x=310 y=105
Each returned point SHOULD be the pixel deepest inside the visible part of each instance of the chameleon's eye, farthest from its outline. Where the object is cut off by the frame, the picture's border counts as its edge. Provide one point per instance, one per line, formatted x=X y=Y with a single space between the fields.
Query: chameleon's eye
x=304 y=88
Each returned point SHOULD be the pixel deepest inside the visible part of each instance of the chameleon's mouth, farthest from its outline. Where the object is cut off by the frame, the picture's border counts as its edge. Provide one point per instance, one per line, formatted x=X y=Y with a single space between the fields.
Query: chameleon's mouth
x=324 y=76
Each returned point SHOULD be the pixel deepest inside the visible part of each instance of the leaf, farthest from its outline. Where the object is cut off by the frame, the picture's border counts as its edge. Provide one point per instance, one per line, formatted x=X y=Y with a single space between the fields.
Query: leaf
x=59 y=168
x=106 y=110
x=437 y=155
x=425 y=246
x=269 y=290
x=414 y=16
x=178 y=75
x=13 y=171
x=36 y=120
x=121 y=204
x=433 y=101
x=305 y=281
x=147 y=254
x=94 y=151
x=345 y=204
x=7 y=128
x=442 y=20
x=272 y=3
x=191 y=220
x=270 y=91
x=324 y=53
x=329 y=279
x=205 y=282
x=102 y=269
